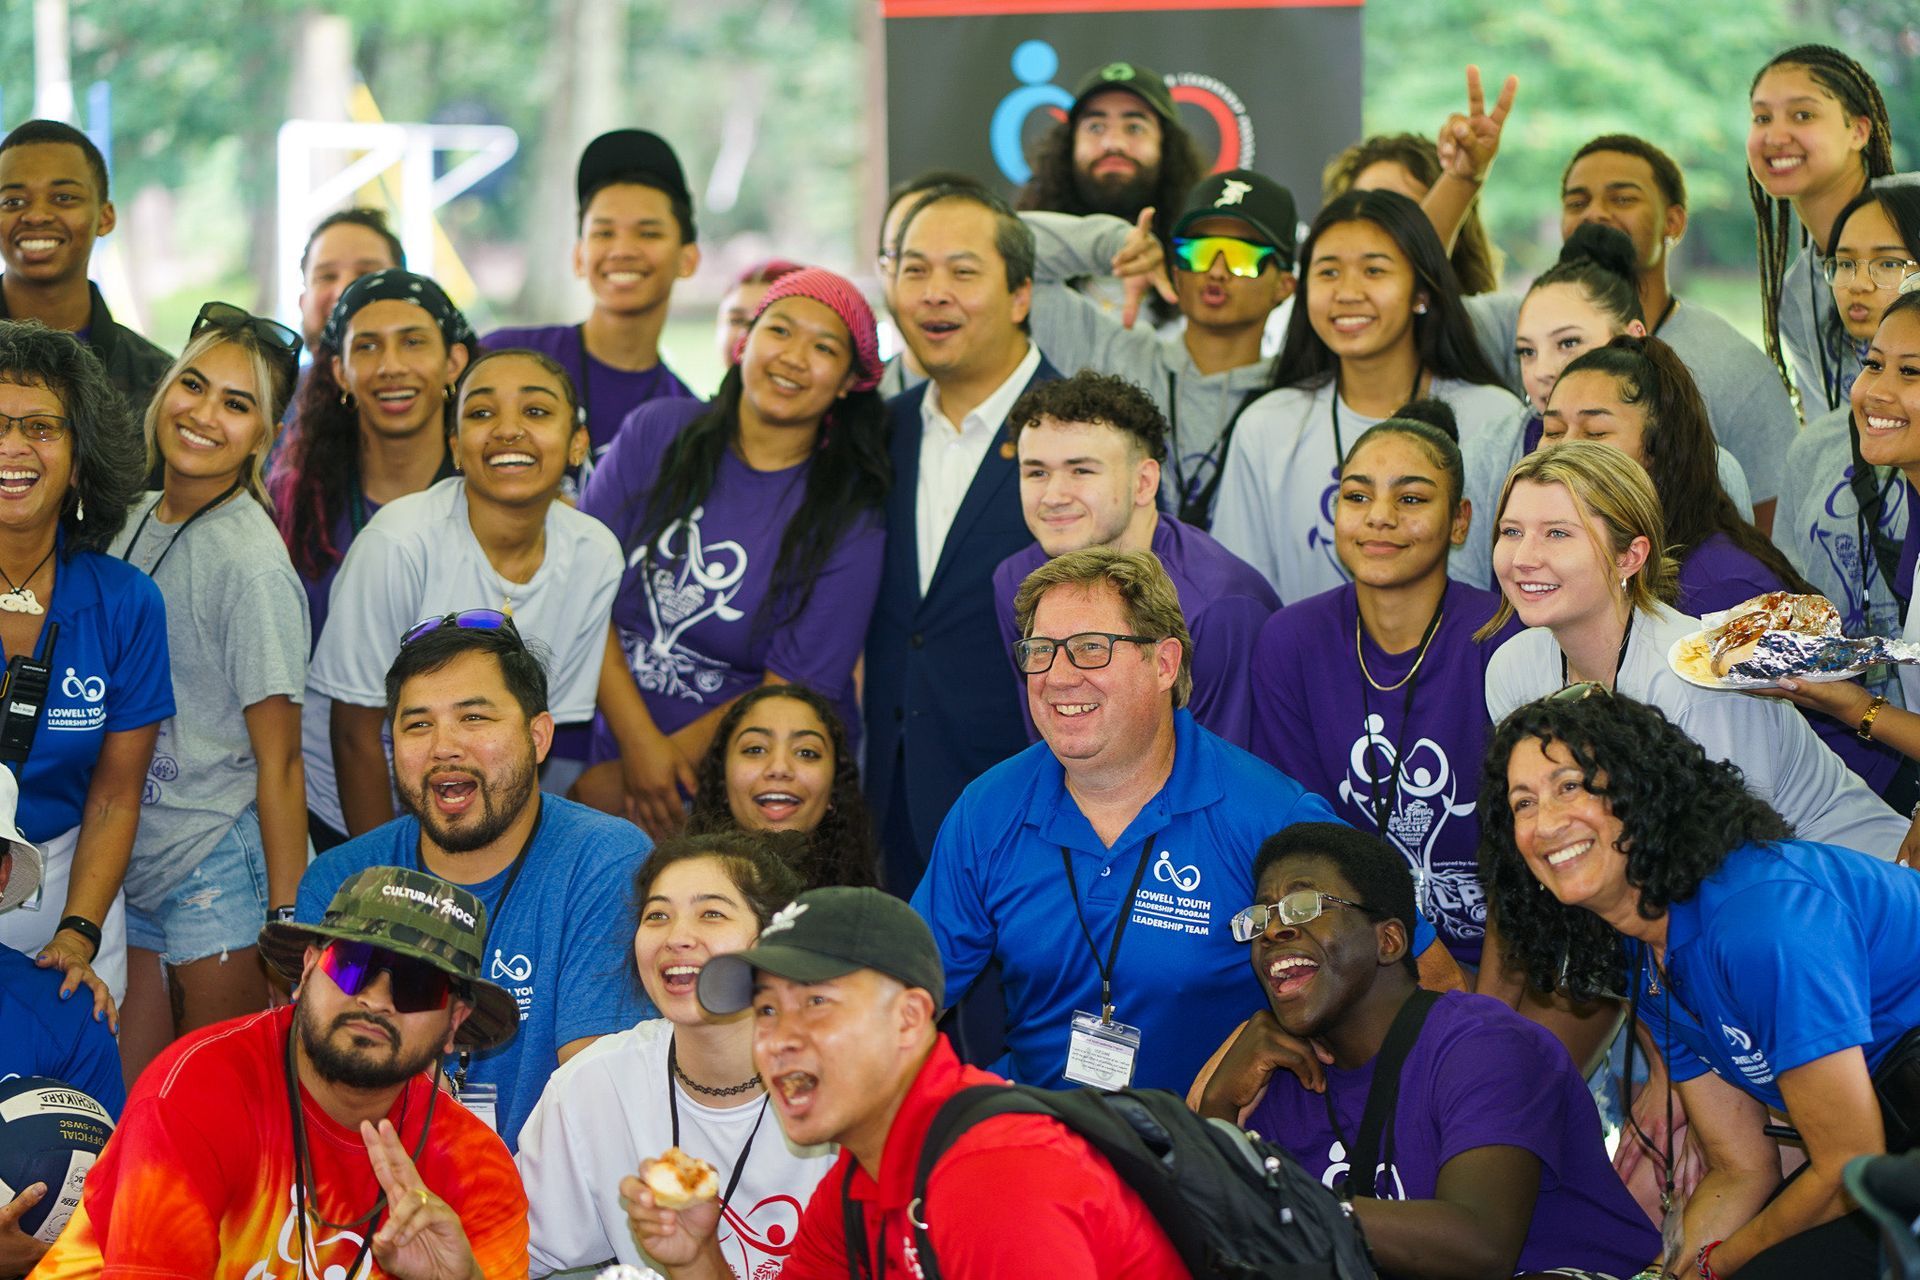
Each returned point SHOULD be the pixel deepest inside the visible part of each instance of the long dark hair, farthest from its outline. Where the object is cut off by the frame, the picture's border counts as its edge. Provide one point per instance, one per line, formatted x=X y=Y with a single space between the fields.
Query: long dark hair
x=838 y=851
x=1858 y=95
x=1052 y=186
x=1681 y=814
x=1476 y=262
x=1443 y=336
x=1683 y=458
x=108 y=456
x=847 y=476
x=1872 y=485
x=322 y=465
x=1599 y=260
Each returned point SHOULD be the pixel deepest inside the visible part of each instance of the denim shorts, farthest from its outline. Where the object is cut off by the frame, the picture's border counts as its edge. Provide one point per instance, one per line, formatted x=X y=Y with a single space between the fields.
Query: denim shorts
x=219 y=907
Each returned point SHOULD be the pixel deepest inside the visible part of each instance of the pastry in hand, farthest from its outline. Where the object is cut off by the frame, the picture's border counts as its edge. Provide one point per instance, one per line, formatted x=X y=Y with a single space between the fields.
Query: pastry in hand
x=678 y=1179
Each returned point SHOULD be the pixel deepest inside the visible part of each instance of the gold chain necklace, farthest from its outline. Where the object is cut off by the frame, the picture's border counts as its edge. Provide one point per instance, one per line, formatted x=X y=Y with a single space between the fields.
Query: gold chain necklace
x=1433 y=629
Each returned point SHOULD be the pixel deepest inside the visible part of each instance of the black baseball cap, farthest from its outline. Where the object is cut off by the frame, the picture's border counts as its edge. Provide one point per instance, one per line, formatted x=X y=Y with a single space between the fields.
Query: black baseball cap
x=1143 y=83
x=1254 y=199
x=633 y=154
x=825 y=934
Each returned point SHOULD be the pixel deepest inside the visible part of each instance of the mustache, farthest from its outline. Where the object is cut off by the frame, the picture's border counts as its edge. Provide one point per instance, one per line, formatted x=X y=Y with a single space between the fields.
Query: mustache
x=342 y=1021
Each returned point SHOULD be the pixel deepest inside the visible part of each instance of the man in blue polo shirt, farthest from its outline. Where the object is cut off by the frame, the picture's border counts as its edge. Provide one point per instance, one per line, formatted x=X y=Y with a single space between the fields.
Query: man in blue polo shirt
x=467 y=704
x=1090 y=452
x=1101 y=867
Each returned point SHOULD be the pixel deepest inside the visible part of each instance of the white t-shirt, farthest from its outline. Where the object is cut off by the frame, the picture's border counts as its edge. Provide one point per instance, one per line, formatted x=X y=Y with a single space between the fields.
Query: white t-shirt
x=417 y=558
x=1785 y=763
x=1275 y=508
x=604 y=1112
x=950 y=458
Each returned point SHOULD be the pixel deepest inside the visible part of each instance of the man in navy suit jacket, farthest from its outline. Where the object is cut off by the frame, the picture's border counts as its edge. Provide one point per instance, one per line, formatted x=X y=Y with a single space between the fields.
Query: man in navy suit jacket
x=940 y=709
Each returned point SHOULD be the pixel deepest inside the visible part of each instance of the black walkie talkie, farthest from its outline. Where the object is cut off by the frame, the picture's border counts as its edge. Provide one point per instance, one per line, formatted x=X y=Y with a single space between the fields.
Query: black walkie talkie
x=23 y=692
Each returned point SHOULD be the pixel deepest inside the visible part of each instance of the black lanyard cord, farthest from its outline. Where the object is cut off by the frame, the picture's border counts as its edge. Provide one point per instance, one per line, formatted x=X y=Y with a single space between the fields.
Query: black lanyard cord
x=127 y=555
x=1619 y=661
x=1119 y=927
x=673 y=1110
x=1339 y=445
x=493 y=919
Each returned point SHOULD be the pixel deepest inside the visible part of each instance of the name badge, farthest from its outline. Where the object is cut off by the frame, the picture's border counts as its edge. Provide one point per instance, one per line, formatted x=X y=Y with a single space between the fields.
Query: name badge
x=1101 y=1053
x=483 y=1099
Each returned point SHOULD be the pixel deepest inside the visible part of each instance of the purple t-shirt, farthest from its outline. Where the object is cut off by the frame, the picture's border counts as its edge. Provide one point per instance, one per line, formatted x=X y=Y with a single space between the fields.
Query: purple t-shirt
x=1225 y=601
x=606 y=393
x=1719 y=575
x=1480 y=1075
x=1317 y=719
x=692 y=622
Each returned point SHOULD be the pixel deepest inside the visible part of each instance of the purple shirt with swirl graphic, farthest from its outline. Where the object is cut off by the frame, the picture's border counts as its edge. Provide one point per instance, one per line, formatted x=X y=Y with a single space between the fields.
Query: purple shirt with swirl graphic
x=693 y=617
x=1318 y=719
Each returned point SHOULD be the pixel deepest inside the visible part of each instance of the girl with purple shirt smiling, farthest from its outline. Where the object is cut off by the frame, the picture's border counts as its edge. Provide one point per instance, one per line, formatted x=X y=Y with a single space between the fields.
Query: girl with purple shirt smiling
x=752 y=538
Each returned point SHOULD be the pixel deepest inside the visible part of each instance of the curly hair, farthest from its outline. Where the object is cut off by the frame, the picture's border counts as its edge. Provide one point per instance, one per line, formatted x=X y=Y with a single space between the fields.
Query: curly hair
x=1090 y=396
x=1475 y=259
x=109 y=456
x=754 y=861
x=1680 y=813
x=838 y=851
x=1052 y=187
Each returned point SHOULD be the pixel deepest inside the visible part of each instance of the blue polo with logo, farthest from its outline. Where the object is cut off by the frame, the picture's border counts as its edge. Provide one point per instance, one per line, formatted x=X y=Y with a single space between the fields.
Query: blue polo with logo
x=110 y=672
x=559 y=939
x=996 y=888
x=1788 y=953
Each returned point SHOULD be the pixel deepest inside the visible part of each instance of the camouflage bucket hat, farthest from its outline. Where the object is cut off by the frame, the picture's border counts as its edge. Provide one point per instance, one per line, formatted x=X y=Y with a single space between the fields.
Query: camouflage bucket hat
x=412 y=914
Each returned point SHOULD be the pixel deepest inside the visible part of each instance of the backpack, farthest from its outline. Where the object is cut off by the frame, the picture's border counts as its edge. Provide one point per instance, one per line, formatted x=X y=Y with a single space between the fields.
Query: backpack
x=1235 y=1207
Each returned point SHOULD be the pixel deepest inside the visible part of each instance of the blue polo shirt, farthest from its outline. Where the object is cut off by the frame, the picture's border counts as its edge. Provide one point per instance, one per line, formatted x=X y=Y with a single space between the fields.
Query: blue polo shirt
x=562 y=942
x=996 y=889
x=59 y=1039
x=1788 y=953
x=110 y=672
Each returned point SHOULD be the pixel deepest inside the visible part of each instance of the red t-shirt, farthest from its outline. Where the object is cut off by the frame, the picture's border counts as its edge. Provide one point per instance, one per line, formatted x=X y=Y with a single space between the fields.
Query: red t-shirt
x=1014 y=1192
x=197 y=1181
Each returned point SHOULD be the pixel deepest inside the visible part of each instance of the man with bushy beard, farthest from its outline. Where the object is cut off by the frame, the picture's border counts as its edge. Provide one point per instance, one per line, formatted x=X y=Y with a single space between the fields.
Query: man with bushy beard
x=1120 y=150
x=467 y=708
x=304 y=1140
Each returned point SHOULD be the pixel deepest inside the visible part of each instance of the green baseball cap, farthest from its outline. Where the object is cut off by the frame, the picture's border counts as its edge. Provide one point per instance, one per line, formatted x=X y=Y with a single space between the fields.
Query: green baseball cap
x=413 y=914
x=825 y=934
x=1143 y=83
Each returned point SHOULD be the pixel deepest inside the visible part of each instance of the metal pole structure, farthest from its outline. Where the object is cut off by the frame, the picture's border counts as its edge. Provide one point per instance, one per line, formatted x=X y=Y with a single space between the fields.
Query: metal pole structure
x=52 y=67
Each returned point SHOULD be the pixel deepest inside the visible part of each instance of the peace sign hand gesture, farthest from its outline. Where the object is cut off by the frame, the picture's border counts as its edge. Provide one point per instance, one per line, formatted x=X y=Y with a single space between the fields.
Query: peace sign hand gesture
x=1468 y=143
x=422 y=1238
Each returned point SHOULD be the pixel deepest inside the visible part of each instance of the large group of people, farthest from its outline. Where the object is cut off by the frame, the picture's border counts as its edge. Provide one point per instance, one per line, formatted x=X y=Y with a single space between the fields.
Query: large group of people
x=443 y=774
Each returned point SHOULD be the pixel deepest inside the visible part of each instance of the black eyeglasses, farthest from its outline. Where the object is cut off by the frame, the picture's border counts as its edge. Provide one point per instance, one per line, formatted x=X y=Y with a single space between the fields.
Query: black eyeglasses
x=276 y=336
x=1295 y=908
x=1087 y=650
x=416 y=986
x=466 y=620
x=41 y=428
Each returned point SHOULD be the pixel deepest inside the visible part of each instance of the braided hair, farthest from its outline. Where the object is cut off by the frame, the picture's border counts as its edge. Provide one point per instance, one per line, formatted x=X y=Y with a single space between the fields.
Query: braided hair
x=1858 y=95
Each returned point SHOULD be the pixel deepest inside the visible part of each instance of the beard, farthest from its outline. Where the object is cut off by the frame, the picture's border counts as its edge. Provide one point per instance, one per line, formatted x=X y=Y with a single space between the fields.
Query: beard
x=498 y=802
x=1123 y=196
x=355 y=1067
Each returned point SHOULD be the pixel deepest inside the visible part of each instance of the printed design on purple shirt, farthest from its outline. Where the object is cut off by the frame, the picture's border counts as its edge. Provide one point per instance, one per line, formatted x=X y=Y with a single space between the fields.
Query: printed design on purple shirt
x=1338 y=1164
x=689 y=582
x=1429 y=794
x=1844 y=552
x=1320 y=538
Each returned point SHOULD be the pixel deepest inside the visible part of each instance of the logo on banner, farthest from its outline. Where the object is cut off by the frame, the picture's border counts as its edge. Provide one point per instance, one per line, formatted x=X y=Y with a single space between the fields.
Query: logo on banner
x=1035 y=63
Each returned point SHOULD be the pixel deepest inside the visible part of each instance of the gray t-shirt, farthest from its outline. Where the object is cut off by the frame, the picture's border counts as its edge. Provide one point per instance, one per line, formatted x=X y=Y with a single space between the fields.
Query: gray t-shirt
x=237 y=630
x=1747 y=404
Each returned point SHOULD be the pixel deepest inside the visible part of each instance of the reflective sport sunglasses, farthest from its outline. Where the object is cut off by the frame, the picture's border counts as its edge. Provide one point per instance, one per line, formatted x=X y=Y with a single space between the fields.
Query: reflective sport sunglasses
x=1296 y=908
x=1244 y=257
x=417 y=986
x=276 y=336
x=466 y=619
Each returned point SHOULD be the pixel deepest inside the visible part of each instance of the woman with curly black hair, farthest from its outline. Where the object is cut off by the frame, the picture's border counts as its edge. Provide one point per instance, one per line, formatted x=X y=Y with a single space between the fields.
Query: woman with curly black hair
x=71 y=464
x=1767 y=971
x=780 y=762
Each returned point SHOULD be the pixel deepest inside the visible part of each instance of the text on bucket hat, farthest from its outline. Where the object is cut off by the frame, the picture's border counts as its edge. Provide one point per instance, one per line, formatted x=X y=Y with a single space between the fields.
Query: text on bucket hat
x=825 y=934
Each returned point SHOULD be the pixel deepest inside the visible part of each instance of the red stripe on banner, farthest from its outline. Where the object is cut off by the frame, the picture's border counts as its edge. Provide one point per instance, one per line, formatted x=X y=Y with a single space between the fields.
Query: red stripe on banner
x=987 y=8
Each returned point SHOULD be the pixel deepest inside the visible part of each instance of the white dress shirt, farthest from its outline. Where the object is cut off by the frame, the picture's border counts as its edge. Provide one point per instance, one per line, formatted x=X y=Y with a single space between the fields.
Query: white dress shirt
x=950 y=455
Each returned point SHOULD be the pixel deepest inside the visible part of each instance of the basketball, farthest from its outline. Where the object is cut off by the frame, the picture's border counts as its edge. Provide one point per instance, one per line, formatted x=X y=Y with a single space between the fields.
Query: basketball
x=48 y=1133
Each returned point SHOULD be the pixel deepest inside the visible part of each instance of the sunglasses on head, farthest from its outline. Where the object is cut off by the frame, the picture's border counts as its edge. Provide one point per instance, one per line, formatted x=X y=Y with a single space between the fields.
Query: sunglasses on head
x=274 y=335
x=1295 y=908
x=416 y=986
x=1244 y=257
x=466 y=620
x=1579 y=692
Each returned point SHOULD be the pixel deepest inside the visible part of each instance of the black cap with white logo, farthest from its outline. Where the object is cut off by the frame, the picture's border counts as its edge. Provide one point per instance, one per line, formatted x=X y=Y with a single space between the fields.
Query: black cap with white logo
x=1254 y=199
x=825 y=934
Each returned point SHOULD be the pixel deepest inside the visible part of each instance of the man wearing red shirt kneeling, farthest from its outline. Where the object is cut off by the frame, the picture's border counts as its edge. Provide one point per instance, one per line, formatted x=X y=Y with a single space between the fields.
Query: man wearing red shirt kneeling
x=842 y=987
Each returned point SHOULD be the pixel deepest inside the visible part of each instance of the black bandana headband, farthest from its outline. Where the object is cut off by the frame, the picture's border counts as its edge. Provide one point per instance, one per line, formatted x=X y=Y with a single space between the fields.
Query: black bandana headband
x=395 y=285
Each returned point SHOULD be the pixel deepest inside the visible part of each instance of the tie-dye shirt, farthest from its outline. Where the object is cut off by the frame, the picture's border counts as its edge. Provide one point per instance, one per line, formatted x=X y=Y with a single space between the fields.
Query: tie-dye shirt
x=198 y=1179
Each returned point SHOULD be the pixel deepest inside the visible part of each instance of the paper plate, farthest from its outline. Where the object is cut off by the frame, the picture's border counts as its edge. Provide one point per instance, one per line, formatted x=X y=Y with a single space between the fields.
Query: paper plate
x=1738 y=684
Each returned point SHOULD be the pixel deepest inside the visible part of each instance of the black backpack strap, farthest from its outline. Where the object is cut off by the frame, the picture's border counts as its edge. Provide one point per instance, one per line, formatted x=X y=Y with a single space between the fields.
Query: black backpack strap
x=957 y=1115
x=854 y=1219
x=1198 y=509
x=1384 y=1093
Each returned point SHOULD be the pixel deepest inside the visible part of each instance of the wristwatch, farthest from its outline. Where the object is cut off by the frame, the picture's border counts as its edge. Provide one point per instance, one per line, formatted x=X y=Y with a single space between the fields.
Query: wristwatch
x=1866 y=721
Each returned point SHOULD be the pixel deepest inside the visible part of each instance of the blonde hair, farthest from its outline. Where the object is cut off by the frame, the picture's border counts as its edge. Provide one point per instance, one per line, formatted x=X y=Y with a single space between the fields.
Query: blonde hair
x=272 y=388
x=1617 y=503
x=1147 y=593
